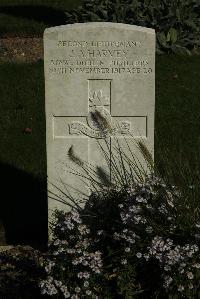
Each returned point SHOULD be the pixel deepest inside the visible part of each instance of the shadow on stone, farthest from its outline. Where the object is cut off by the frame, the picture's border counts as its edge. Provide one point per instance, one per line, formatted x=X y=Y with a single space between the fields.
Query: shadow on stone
x=23 y=208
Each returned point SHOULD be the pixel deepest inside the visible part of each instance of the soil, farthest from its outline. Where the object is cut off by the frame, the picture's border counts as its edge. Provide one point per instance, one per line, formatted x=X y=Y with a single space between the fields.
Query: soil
x=20 y=49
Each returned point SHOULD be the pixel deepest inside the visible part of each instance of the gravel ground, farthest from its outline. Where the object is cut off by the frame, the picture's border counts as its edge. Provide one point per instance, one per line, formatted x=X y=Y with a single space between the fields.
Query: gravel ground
x=18 y=49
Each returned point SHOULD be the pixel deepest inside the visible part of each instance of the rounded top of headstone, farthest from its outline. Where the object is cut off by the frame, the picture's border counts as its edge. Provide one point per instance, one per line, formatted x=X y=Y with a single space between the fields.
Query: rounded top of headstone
x=94 y=25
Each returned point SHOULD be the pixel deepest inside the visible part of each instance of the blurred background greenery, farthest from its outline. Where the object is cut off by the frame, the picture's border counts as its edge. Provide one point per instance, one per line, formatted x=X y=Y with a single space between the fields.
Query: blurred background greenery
x=31 y=17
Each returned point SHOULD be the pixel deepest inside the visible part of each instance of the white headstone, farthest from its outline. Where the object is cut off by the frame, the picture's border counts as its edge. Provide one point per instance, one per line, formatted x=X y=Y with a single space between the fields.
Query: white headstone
x=105 y=67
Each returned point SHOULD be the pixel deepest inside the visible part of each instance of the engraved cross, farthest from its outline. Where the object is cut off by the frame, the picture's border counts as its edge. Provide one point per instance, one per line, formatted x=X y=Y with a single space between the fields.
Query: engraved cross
x=99 y=100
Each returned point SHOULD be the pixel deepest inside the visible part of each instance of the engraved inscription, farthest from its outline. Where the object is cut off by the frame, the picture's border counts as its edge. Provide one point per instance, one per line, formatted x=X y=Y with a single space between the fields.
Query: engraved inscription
x=83 y=44
x=98 y=53
x=100 y=57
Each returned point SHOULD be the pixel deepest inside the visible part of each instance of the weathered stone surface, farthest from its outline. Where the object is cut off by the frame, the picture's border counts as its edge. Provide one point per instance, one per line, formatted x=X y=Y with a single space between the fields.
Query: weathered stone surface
x=104 y=67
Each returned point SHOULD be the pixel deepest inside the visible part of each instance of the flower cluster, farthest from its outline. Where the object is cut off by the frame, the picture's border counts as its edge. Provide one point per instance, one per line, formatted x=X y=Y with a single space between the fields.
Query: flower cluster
x=176 y=261
x=74 y=254
x=47 y=286
x=116 y=239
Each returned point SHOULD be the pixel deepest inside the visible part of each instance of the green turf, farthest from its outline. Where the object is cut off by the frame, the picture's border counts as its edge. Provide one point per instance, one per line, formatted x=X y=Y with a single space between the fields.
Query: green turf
x=22 y=106
x=63 y=4
x=177 y=116
x=30 y=18
x=23 y=206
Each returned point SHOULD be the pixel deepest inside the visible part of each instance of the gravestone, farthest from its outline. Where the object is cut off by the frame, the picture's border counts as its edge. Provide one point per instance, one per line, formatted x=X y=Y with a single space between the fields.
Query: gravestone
x=104 y=67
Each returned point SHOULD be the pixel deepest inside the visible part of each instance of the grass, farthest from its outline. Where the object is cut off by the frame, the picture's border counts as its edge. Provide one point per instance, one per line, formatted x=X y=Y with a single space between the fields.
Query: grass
x=177 y=118
x=23 y=207
x=23 y=154
x=31 y=17
x=23 y=107
x=62 y=4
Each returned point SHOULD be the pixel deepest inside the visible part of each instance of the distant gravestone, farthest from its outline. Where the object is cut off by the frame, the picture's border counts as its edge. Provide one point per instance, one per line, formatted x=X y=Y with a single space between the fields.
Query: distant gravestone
x=91 y=67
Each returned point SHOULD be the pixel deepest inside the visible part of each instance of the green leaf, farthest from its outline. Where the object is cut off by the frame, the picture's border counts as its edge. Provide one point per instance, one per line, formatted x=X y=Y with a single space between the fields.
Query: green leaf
x=114 y=19
x=94 y=17
x=162 y=38
x=173 y=35
x=180 y=50
x=191 y=24
x=178 y=14
x=138 y=292
x=159 y=51
x=168 y=37
x=104 y=13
